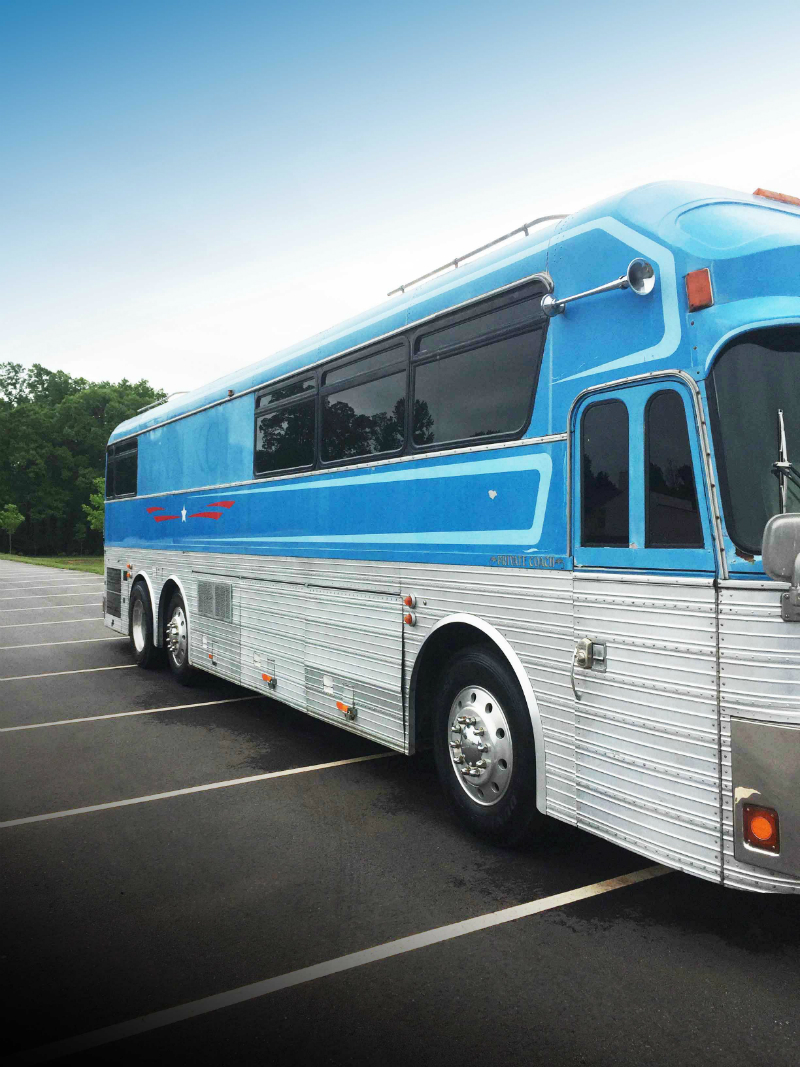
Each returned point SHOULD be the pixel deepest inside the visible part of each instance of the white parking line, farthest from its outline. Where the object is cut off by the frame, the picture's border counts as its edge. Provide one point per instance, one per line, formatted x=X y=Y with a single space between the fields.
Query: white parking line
x=169 y=1016
x=79 y=641
x=51 y=622
x=94 y=579
x=125 y=714
x=54 y=607
x=46 y=596
x=56 y=674
x=193 y=789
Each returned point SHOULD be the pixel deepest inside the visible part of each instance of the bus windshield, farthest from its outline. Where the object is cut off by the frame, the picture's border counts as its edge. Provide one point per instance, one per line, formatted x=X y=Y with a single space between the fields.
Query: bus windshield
x=754 y=378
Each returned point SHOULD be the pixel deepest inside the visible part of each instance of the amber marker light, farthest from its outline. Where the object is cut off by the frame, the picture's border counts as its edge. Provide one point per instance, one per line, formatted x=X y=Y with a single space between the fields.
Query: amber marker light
x=410 y=601
x=698 y=289
x=782 y=198
x=761 y=827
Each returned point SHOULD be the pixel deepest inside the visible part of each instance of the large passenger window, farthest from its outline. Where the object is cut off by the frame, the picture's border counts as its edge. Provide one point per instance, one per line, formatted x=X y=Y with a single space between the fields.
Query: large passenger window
x=286 y=427
x=672 y=515
x=364 y=406
x=364 y=420
x=122 y=469
x=604 y=467
x=475 y=375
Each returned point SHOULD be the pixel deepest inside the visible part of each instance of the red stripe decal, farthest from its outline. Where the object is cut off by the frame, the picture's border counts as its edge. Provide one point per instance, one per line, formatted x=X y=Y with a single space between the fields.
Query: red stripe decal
x=206 y=515
x=164 y=518
x=151 y=510
x=222 y=504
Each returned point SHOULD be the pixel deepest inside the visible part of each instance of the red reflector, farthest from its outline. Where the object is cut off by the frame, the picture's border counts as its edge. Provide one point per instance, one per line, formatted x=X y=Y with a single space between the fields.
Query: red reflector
x=761 y=827
x=698 y=289
x=784 y=198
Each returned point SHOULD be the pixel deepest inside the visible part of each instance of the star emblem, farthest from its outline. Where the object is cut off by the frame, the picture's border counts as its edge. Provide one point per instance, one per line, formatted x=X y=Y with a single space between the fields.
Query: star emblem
x=183 y=513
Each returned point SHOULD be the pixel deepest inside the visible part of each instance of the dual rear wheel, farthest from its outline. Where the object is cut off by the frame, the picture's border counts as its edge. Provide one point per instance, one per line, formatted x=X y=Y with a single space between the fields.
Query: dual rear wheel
x=176 y=634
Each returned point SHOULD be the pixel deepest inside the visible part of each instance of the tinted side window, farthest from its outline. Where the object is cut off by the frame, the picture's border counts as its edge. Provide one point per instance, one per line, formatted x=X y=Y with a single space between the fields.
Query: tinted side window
x=514 y=316
x=671 y=509
x=122 y=469
x=377 y=362
x=483 y=391
x=365 y=419
x=286 y=392
x=285 y=437
x=125 y=472
x=604 y=466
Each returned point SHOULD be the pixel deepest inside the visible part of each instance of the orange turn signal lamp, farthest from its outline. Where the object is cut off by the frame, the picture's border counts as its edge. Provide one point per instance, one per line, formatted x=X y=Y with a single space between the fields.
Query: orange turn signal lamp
x=761 y=828
x=698 y=289
x=410 y=601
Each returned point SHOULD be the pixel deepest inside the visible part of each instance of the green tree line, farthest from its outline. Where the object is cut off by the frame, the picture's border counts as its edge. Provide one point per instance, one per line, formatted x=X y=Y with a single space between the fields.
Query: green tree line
x=53 y=434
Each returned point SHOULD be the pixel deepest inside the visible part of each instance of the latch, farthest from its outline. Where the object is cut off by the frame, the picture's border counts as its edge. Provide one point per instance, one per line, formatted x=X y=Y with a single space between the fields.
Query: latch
x=266 y=665
x=590 y=655
x=347 y=704
x=348 y=710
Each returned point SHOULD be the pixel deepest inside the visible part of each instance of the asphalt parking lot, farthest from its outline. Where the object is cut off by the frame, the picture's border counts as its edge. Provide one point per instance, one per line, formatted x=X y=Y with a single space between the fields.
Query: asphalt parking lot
x=201 y=875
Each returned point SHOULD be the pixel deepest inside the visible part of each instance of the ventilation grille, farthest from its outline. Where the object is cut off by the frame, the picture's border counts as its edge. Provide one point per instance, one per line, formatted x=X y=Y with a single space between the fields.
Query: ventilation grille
x=114 y=592
x=214 y=600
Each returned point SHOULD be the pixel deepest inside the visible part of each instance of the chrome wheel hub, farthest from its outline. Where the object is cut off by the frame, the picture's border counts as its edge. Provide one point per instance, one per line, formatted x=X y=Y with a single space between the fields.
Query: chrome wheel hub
x=480 y=745
x=138 y=629
x=177 y=636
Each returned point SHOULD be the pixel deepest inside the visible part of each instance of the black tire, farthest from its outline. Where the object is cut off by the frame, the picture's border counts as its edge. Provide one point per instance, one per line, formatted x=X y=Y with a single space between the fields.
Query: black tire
x=498 y=802
x=177 y=642
x=140 y=628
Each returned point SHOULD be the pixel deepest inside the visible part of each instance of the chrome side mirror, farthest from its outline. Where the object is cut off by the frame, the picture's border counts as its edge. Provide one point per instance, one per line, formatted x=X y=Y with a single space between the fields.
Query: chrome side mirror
x=780 y=554
x=640 y=278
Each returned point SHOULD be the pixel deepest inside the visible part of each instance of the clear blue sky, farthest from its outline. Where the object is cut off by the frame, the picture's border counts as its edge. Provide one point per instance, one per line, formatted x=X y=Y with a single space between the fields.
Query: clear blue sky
x=187 y=186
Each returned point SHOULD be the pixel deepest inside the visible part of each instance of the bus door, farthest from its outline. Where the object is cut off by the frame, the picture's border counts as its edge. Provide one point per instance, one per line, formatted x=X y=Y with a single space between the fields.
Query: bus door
x=644 y=670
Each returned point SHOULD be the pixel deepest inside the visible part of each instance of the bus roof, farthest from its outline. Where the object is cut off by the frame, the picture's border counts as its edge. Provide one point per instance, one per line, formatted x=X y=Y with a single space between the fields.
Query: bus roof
x=654 y=210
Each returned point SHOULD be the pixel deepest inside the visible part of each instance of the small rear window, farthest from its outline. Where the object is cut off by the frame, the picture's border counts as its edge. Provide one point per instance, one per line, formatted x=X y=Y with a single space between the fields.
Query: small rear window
x=122 y=469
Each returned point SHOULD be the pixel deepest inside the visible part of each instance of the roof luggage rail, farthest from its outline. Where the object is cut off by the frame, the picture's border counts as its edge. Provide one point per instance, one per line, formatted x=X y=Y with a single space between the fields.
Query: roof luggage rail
x=158 y=403
x=460 y=259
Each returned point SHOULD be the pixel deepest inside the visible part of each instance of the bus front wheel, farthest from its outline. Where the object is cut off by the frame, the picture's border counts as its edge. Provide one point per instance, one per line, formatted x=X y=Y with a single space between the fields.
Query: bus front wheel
x=484 y=747
x=176 y=639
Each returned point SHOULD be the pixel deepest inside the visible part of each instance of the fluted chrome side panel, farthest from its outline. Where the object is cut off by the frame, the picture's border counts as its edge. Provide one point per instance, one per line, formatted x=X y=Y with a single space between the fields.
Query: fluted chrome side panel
x=759 y=681
x=646 y=729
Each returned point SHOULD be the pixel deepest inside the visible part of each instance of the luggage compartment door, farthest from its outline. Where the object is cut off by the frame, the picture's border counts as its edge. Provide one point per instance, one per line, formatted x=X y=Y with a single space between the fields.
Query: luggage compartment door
x=353 y=662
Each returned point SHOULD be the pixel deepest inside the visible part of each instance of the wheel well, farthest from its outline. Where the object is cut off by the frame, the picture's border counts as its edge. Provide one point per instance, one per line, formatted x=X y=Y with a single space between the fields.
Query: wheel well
x=170 y=587
x=434 y=654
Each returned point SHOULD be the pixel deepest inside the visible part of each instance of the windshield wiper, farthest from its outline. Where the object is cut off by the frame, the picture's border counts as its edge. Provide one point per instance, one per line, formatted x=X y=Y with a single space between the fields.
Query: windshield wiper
x=783 y=470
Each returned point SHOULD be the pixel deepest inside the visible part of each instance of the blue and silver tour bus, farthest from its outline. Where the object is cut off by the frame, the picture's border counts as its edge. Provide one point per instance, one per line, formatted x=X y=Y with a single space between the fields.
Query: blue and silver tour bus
x=537 y=511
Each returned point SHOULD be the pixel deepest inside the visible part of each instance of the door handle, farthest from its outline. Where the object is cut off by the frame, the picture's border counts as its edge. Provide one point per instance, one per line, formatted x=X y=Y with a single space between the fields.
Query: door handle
x=588 y=655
